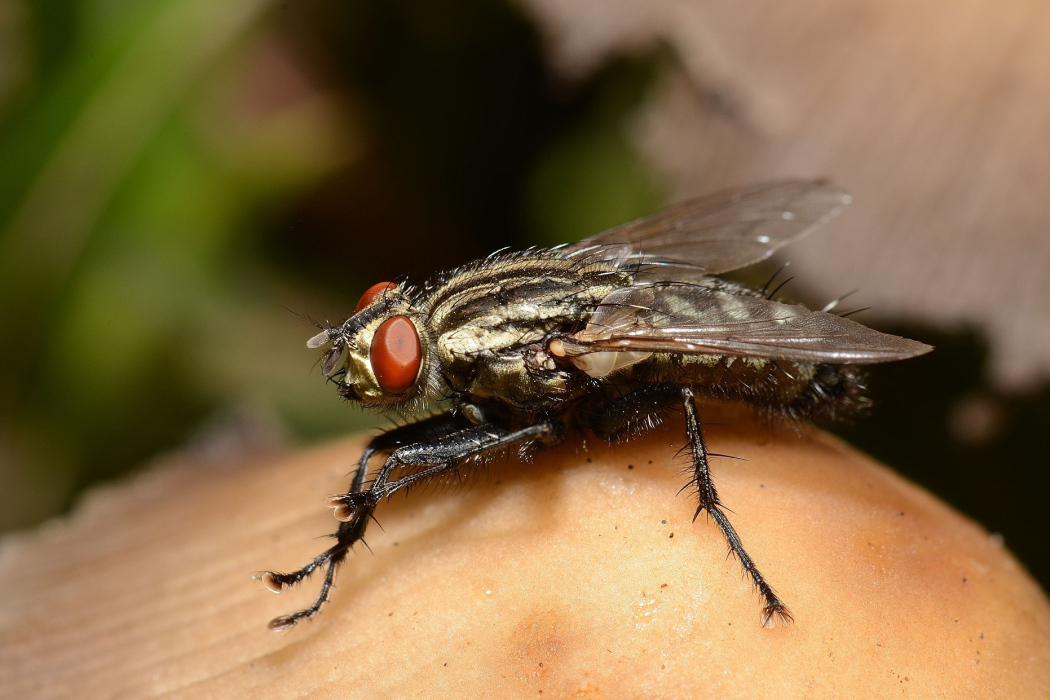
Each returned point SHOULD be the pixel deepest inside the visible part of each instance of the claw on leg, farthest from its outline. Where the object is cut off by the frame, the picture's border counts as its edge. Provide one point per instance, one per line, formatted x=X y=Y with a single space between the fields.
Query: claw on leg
x=270 y=580
x=345 y=507
x=775 y=611
x=284 y=622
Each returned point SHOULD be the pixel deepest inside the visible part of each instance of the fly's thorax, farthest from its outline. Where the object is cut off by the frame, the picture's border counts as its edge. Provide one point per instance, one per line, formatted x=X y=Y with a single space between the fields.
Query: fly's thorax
x=502 y=305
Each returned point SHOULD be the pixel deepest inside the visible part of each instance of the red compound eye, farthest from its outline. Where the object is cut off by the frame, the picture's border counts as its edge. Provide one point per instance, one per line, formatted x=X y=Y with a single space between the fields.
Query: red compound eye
x=372 y=292
x=395 y=354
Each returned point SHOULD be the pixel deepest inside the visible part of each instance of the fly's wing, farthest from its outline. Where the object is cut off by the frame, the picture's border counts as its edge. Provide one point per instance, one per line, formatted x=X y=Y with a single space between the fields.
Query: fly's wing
x=694 y=319
x=719 y=232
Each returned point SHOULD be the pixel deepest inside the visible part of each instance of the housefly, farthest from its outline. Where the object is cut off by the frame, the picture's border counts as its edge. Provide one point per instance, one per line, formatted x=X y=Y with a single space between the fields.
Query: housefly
x=600 y=337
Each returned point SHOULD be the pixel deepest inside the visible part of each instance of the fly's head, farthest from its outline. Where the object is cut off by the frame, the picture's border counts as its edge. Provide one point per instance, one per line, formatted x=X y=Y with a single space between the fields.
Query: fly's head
x=379 y=356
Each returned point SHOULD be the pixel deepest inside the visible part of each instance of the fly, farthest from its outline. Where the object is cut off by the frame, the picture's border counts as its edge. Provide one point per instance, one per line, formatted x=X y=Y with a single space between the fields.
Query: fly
x=523 y=349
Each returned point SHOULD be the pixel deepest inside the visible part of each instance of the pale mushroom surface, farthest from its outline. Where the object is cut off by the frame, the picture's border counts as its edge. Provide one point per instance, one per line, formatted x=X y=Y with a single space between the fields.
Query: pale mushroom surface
x=581 y=575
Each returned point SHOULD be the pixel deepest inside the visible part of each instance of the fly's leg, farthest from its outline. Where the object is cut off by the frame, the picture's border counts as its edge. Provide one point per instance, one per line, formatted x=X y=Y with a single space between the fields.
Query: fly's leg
x=444 y=458
x=774 y=608
x=432 y=428
x=356 y=508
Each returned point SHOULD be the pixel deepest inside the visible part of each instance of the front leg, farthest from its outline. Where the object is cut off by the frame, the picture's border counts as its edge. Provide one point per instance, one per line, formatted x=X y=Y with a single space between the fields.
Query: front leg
x=710 y=502
x=424 y=430
x=433 y=428
x=437 y=453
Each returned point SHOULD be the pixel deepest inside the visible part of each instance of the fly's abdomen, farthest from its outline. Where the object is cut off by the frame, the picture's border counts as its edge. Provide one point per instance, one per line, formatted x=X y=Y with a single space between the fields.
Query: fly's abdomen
x=797 y=389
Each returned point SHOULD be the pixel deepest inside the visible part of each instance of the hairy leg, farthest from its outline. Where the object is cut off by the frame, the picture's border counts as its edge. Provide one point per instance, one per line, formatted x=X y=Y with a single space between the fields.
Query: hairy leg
x=427 y=429
x=436 y=454
x=421 y=431
x=773 y=608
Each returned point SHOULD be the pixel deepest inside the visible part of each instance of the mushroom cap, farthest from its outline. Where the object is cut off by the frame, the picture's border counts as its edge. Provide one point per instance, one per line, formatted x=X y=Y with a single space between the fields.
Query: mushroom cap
x=560 y=576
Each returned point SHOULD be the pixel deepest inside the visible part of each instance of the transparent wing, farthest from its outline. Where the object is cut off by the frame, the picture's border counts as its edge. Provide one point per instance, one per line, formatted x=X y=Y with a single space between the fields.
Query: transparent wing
x=719 y=232
x=694 y=319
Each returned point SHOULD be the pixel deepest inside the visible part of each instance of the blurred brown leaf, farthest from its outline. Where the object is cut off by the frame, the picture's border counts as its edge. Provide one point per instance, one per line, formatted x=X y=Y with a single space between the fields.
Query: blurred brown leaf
x=934 y=114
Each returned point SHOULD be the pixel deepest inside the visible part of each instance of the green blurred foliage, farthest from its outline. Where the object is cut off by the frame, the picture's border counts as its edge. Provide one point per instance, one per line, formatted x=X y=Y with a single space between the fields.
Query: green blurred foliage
x=137 y=159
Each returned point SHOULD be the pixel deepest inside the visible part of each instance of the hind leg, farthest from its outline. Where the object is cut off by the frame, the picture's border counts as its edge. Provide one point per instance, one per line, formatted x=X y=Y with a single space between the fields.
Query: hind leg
x=773 y=607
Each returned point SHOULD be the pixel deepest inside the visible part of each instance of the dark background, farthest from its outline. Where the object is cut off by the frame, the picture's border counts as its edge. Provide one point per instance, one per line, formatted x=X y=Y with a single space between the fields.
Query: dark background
x=175 y=186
